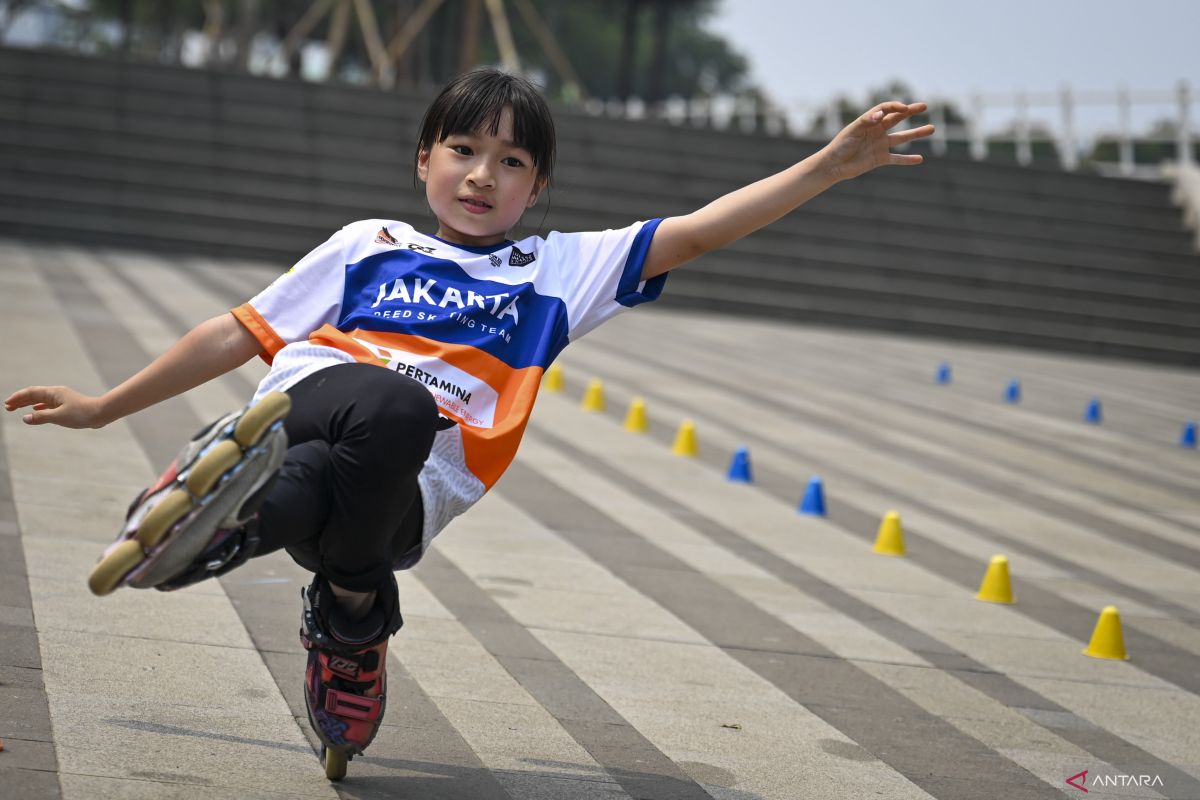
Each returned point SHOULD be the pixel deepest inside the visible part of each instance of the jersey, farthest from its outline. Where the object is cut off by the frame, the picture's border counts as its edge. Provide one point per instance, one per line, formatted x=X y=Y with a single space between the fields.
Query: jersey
x=477 y=326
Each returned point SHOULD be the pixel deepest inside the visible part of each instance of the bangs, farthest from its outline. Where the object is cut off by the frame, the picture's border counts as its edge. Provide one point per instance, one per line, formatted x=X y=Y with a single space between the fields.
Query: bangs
x=474 y=102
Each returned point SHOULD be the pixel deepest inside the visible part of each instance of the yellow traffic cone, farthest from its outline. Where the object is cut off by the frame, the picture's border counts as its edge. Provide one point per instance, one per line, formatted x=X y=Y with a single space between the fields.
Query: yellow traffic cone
x=996 y=587
x=553 y=380
x=685 y=440
x=1107 y=639
x=635 y=420
x=890 y=539
x=593 y=398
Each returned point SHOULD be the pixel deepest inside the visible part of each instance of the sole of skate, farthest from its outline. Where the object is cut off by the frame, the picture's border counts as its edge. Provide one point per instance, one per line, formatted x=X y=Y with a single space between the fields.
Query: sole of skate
x=204 y=492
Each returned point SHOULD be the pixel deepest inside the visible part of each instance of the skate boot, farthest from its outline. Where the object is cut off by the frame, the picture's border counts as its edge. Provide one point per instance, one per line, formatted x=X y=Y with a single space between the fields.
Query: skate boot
x=345 y=684
x=199 y=518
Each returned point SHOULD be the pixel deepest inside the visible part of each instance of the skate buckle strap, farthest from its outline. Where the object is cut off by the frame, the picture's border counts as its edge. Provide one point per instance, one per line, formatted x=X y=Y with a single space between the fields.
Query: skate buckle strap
x=354 y=706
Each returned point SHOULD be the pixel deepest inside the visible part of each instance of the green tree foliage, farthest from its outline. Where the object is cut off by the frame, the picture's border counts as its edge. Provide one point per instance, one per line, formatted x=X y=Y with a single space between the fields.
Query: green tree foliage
x=698 y=62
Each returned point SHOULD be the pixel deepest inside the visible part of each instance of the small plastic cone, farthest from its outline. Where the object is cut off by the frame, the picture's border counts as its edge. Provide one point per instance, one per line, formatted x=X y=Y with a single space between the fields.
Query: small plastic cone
x=890 y=540
x=739 y=466
x=814 y=498
x=685 y=440
x=553 y=381
x=1188 y=437
x=593 y=398
x=1012 y=393
x=1107 y=639
x=996 y=586
x=635 y=419
x=1094 y=414
x=943 y=374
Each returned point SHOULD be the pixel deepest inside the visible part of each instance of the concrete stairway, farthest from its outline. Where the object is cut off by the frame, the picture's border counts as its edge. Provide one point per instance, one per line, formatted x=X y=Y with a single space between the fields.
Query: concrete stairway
x=97 y=151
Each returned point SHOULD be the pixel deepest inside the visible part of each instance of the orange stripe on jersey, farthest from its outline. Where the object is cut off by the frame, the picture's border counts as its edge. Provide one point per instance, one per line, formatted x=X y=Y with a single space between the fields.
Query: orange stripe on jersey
x=489 y=399
x=271 y=341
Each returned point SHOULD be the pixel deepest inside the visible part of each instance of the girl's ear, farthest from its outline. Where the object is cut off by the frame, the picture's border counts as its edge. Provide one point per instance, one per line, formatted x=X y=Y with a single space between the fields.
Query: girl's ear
x=423 y=165
x=538 y=186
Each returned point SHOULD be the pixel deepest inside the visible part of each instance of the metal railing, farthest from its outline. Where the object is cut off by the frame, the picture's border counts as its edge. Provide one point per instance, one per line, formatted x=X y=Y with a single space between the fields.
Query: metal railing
x=1109 y=144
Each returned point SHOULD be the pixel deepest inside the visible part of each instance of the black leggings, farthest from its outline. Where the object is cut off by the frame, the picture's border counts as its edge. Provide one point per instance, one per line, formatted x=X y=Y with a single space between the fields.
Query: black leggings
x=346 y=503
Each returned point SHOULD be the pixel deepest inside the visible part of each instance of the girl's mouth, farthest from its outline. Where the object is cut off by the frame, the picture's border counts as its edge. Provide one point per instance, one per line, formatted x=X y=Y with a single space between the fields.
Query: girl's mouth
x=474 y=206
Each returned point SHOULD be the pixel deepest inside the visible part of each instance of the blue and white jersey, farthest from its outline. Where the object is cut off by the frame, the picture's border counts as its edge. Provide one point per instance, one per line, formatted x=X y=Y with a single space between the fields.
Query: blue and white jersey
x=476 y=325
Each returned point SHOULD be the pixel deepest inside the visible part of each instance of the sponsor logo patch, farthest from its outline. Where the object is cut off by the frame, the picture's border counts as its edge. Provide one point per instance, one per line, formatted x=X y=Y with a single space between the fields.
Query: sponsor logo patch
x=519 y=259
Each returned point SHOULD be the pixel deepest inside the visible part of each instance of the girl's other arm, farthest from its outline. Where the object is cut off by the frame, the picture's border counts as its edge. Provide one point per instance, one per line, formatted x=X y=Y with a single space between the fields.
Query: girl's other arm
x=207 y=351
x=861 y=146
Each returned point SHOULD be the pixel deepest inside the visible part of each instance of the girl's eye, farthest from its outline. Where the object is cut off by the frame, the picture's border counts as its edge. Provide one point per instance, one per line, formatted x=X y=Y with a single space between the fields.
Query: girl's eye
x=461 y=149
x=512 y=162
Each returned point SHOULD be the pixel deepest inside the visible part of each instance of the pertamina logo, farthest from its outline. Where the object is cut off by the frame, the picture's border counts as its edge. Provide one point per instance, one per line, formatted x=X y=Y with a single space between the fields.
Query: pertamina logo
x=519 y=259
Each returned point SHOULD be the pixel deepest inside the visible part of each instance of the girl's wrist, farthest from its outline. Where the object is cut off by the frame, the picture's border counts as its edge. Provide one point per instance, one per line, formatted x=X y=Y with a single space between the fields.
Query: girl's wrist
x=101 y=411
x=826 y=167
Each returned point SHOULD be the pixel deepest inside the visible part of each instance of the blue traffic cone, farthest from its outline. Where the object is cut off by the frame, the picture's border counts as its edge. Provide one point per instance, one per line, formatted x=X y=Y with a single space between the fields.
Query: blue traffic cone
x=739 y=467
x=1188 y=437
x=943 y=372
x=814 y=498
x=1012 y=394
x=1093 y=414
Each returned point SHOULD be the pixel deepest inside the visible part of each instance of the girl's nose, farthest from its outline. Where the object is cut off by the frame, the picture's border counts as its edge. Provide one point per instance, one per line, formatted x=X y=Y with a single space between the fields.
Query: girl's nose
x=481 y=176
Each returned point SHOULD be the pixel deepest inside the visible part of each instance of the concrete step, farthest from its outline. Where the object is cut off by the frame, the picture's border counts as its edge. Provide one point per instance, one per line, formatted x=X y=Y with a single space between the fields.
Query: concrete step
x=172 y=93
x=231 y=175
x=189 y=161
x=858 y=312
x=1001 y=299
x=211 y=201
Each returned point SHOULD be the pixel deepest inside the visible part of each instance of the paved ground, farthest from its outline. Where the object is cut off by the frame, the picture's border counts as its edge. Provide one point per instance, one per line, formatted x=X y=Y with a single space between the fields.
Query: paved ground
x=615 y=621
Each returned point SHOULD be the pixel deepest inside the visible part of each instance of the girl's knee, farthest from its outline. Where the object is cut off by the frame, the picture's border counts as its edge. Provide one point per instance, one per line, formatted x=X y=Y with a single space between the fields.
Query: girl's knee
x=393 y=422
x=401 y=403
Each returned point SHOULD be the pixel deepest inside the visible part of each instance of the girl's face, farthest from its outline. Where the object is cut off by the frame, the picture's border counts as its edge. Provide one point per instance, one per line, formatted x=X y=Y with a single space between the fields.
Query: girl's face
x=478 y=185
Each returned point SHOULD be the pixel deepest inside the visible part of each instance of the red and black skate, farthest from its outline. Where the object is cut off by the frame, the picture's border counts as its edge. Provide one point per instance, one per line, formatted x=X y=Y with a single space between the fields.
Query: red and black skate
x=345 y=683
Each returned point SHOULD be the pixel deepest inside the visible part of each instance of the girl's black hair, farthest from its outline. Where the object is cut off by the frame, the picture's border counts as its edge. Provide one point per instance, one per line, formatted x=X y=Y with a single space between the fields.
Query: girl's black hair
x=474 y=102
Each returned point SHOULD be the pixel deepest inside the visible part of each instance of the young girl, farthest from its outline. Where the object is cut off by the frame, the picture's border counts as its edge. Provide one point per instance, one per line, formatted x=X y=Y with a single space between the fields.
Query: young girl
x=354 y=469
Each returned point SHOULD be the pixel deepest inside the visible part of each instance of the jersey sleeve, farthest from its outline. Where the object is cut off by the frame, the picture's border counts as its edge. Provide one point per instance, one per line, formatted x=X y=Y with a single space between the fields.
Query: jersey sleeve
x=298 y=302
x=600 y=273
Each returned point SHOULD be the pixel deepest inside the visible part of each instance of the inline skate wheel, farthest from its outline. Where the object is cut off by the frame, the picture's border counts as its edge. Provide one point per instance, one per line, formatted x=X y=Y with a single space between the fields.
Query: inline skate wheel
x=261 y=416
x=208 y=470
x=163 y=517
x=334 y=762
x=113 y=567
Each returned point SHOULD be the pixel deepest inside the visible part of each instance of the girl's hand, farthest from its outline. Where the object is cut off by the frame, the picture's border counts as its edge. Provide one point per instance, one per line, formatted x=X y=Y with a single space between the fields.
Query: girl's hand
x=60 y=405
x=866 y=144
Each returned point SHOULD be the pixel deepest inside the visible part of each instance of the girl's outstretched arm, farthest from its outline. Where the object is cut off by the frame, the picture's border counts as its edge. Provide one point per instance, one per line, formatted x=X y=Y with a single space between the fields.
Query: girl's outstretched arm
x=860 y=147
x=207 y=351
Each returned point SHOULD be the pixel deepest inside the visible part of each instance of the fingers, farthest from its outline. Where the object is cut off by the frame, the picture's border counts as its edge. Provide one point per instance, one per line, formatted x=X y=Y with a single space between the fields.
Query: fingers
x=42 y=414
x=900 y=137
x=22 y=398
x=60 y=405
x=899 y=160
x=40 y=397
x=893 y=111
